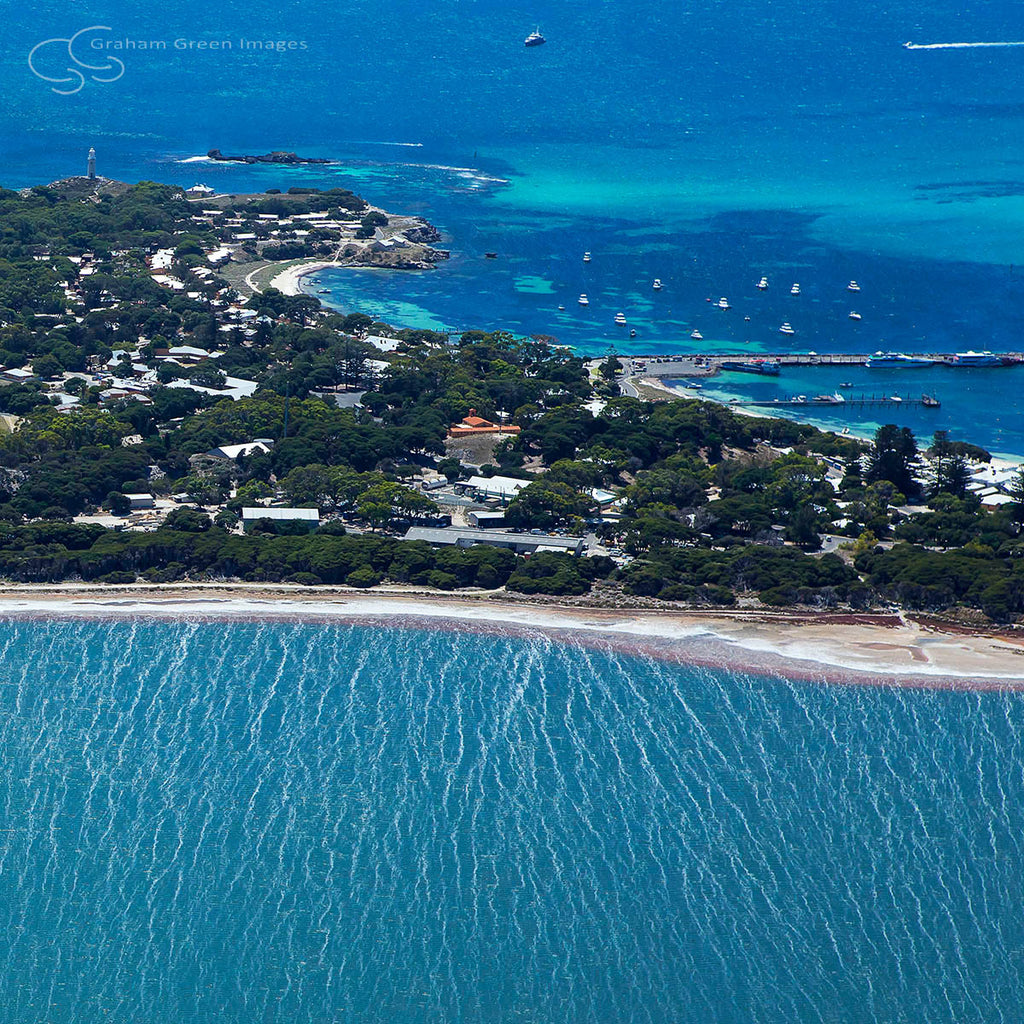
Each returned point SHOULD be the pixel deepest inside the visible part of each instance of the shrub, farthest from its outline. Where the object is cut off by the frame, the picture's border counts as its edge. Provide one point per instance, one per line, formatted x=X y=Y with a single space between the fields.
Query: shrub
x=362 y=577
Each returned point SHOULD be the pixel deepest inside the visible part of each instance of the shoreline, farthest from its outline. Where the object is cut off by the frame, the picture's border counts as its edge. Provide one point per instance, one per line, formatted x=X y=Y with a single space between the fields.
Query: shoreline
x=887 y=650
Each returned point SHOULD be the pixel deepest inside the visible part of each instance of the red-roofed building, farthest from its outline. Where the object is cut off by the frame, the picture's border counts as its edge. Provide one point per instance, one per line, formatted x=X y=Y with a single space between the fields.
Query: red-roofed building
x=473 y=424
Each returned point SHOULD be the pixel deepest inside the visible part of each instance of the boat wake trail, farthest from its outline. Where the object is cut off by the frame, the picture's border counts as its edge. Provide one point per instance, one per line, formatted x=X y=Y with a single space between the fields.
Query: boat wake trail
x=955 y=46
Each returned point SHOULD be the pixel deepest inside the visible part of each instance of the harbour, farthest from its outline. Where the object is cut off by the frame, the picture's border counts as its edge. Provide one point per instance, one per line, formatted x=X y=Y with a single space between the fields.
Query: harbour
x=709 y=363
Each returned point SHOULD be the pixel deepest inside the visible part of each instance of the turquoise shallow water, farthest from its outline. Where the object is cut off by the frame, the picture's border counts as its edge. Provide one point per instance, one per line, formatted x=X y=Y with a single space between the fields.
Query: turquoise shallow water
x=279 y=822
x=705 y=145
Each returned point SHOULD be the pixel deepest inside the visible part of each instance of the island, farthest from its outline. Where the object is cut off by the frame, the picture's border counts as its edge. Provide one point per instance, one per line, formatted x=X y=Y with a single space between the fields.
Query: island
x=276 y=157
x=170 y=415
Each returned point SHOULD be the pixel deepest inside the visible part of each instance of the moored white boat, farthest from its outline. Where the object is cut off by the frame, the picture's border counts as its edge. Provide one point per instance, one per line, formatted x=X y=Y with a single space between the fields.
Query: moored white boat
x=620 y=319
x=853 y=287
x=696 y=335
x=723 y=303
x=583 y=300
x=786 y=328
x=763 y=283
x=795 y=290
x=657 y=286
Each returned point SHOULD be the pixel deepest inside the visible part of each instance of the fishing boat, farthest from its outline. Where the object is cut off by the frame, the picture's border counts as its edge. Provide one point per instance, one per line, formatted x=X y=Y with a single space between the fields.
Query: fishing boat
x=535 y=38
x=657 y=286
x=586 y=257
x=795 y=290
x=620 y=319
x=853 y=287
x=763 y=284
x=786 y=328
x=583 y=300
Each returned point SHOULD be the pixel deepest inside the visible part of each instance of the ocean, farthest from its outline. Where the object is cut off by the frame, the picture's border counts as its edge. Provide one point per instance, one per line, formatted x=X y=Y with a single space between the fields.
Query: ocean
x=280 y=821
x=241 y=821
x=705 y=145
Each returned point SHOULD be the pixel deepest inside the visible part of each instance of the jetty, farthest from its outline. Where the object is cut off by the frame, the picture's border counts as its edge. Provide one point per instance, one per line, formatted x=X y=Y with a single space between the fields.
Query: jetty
x=705 y=364
x=860 y=401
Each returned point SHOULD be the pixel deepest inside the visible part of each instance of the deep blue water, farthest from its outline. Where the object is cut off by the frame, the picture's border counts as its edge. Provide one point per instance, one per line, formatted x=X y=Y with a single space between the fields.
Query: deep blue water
x=705 y=145
x=281 y=822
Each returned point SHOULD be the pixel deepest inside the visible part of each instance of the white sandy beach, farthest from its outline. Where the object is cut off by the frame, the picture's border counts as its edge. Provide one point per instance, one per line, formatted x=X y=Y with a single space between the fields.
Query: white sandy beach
x=885 y=649
x=289 y=280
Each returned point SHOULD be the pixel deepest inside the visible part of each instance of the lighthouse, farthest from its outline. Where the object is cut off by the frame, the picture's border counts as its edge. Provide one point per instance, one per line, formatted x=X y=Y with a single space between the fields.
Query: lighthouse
x=92 y=162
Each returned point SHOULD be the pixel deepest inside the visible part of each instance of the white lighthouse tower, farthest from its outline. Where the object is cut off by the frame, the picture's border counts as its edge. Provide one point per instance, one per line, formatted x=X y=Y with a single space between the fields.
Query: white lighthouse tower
x=92 y=162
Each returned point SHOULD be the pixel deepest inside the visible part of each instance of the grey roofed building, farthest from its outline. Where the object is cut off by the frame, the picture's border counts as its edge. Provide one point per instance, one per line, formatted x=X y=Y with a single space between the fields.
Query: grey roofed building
x=281 y=514
x=521 y=543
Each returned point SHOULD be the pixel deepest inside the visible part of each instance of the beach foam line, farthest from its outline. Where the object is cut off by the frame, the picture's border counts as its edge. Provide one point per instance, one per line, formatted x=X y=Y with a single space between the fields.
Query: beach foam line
x=955 y=46
x=889 y=653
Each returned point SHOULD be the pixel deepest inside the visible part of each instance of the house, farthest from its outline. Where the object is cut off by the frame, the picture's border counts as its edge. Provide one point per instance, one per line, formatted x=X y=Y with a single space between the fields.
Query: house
x=503 y=488
x=307 y=517
x=473 y=424
x=232 y=451
x=18 y=375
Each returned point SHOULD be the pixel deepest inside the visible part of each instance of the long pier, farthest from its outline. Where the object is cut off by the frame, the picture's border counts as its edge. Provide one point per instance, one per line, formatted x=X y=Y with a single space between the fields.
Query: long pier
x=708 y=363
x=860 y=401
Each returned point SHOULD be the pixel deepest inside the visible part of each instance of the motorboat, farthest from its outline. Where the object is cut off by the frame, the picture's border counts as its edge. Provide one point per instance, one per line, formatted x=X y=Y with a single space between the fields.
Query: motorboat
x=657 y=286
x=898 y=360
x=535 y=38
x=846 y=383
x=323 y=291
x=763 y=284
x=723 y=303
x=834 y=399
x=795 y=290
x=786 y=328
x=895 y=398
x=583 y=300
x=747 y=319
x=696 y=335
x=632 y=332
x=561 y=308
x=855 y=316
x=586 y=257
x=694 y=385
x=620 y=319
x=853 y=287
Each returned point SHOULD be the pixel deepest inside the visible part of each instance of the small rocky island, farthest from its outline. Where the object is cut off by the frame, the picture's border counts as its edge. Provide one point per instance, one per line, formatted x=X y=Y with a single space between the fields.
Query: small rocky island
x=278 y=156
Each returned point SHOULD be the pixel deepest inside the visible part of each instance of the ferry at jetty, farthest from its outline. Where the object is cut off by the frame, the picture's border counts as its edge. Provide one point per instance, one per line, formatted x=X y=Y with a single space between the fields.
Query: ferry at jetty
x=763 y=367
x=898 y=360
x=965 y=359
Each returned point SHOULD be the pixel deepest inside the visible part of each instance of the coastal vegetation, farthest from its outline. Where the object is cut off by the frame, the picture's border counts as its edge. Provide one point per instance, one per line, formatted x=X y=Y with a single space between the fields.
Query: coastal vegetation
x=134 y=365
